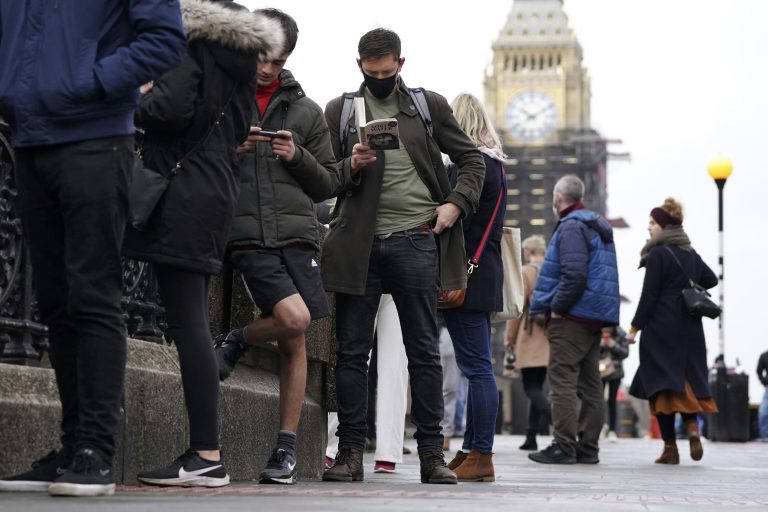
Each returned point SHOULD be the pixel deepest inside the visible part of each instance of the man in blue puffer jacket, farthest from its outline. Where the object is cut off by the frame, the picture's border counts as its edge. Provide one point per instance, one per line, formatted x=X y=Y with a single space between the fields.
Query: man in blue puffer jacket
x=578 y=288
x=69 y=77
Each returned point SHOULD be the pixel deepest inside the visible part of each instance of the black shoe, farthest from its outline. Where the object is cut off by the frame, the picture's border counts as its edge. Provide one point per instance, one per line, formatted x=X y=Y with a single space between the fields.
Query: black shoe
x=553 y=454
x=530 y=443
x=585 y=457
x=189 y=470
x=433 y=467
x=281 y=469
x=229 y=350
x=91 y=474
x=44 y=471
x=348 y=466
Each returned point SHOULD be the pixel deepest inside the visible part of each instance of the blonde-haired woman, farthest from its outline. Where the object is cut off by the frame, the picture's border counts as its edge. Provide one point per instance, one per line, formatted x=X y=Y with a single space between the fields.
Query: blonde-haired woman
x=527 y=339
x=673 y=355
x=470 y=325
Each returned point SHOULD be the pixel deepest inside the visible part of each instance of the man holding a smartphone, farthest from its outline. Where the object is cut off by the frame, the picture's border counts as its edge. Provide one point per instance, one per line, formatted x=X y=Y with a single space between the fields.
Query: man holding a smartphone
x=286 y=165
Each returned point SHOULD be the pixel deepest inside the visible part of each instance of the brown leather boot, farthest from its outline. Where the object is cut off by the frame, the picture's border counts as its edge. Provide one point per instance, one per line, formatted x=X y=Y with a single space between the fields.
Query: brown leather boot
x=669 y=455
x=433 y=468
x=457 y=460
x=477 y=467
x=348 y=467
x=694 y=439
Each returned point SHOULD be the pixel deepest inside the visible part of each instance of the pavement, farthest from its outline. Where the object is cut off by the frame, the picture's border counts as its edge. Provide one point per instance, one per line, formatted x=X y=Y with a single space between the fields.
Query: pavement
x=732 y=476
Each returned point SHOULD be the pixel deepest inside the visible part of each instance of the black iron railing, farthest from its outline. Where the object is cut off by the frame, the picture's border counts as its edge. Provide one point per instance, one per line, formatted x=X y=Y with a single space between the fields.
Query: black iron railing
x=23 y=338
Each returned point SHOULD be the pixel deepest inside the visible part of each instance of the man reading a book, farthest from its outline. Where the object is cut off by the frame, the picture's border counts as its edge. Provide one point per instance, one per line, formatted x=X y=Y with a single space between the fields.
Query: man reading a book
x=273 y=240
x=396 y=209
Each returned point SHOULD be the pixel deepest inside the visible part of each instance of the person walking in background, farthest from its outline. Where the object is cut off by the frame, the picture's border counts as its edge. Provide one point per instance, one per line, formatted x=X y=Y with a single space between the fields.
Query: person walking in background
x=69 y=79
x=578 y=287
x=197 y=114
x=273 y=241
x=451 y=382
x=762 y=412
x=613 y=348
x=396 y=207
x=673 y=373
x=470 y=324
x=526 y=337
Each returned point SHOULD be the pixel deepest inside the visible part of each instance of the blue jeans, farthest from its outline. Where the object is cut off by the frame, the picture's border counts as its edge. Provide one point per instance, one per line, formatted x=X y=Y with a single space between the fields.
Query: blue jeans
x=762 y=416
x=471 y=335
x=405 y=266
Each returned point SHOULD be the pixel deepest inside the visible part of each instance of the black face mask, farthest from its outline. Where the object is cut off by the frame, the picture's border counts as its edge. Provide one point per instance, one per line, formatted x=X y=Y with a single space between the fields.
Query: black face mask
x=380 y=87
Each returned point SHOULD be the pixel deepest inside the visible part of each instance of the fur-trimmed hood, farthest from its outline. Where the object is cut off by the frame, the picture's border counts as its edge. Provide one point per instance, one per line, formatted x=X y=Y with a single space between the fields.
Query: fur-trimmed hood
x=235 y=29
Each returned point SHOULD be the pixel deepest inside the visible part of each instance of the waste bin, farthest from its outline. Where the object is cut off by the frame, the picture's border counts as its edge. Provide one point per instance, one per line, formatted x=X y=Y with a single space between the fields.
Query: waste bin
x=731 y=394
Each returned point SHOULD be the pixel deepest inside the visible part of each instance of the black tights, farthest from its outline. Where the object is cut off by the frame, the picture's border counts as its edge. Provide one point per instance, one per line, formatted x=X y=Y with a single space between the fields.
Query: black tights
x=667 y=424
x=539 y=414
x=185 y=297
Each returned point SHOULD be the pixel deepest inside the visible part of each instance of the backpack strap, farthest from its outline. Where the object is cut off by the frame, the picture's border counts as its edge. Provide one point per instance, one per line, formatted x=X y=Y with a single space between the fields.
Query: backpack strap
x=347 y=111
x=420 y=101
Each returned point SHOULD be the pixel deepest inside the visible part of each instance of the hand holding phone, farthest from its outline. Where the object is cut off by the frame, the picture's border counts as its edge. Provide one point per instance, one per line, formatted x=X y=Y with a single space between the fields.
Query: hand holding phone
x=266 y=133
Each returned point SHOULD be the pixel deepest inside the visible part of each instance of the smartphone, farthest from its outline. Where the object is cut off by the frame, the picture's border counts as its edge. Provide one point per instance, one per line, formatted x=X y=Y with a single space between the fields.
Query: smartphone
x=266 y=133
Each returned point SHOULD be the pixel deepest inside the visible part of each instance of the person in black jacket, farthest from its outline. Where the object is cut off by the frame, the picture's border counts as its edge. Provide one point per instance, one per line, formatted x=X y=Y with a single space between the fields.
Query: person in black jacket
x=613 y=347
x=273 y=242
x=673 y=372
x=69 y=79
x=762 y=413
x=201 y=109
x=470 y=324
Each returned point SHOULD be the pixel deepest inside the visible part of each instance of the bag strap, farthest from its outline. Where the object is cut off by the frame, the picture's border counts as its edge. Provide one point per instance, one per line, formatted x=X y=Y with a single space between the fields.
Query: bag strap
x=680 y=265
x=207 y=136
x=474 y=262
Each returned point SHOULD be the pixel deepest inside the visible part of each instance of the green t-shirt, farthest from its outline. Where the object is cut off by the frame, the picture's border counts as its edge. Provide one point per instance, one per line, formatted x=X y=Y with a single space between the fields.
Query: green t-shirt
x=405 y=201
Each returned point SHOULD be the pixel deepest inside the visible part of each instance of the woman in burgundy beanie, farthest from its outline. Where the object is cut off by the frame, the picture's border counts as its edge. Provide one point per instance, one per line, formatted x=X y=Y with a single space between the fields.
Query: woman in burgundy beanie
x=673 y=356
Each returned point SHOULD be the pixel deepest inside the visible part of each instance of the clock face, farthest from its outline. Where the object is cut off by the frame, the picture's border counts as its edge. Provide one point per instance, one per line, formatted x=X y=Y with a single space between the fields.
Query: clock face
x=531 y=116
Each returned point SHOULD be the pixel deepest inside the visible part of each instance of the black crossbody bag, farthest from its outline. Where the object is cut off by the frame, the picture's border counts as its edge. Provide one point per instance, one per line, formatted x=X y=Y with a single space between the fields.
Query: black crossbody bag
x=697 y=299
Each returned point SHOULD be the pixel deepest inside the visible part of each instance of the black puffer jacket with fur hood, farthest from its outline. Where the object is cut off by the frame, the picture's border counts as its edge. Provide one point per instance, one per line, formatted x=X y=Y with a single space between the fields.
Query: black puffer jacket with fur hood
x=190 y=227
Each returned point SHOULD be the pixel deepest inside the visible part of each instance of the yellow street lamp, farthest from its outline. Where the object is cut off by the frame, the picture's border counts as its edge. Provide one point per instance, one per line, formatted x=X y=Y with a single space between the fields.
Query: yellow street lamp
x=720 y=168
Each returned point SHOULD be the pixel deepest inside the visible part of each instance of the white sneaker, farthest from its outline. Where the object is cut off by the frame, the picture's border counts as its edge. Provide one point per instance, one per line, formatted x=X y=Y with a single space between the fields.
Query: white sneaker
x=612 y=437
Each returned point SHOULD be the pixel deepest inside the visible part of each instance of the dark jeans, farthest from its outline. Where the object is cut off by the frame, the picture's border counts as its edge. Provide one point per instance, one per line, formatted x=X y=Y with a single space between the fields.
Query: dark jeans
x=407 y=267
x=185 y=297
x=574 y=378
x=73 y=203
x=471 y=335
x=539 y=413
x=613 y=389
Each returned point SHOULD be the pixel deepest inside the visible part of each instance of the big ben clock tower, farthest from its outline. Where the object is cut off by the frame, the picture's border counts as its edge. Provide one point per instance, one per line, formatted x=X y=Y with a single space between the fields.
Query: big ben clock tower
x=537 y=92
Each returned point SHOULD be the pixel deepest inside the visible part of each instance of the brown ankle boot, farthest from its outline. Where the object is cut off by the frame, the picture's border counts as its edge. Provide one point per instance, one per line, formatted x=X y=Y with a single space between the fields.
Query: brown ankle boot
x=669 y=455
x=694 y=439
x=348 y=467
x=477 y=467
x=457 y=460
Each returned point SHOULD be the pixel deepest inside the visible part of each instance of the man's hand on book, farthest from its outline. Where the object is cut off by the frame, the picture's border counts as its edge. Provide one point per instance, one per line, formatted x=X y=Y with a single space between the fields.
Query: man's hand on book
x=445 y=216
x=362 y=155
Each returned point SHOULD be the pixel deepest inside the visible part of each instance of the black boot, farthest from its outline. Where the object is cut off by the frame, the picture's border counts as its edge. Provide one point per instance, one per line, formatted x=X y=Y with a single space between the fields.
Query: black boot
x=434 y=469
x=530 y=442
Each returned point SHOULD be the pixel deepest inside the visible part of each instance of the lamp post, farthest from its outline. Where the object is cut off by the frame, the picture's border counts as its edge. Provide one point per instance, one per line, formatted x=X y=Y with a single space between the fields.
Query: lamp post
x=720 y=169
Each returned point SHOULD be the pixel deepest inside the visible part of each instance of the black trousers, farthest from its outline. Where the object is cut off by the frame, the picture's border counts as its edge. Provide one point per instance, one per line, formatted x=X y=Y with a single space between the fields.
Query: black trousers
x=539 y=412
x=73 y=203
x=407 y=267
x=613 y=389
x=185 y=297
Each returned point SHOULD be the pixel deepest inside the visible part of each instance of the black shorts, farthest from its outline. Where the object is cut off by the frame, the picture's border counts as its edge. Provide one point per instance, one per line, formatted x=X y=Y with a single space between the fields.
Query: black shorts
x=270 y=275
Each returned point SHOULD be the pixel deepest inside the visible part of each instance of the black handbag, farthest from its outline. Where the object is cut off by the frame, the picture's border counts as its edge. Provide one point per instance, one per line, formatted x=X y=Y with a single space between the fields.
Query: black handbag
x=697 y=299
x=149 y=185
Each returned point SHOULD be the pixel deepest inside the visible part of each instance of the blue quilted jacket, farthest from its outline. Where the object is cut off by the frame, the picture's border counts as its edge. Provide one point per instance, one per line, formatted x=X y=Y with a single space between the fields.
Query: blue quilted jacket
x=579 y=276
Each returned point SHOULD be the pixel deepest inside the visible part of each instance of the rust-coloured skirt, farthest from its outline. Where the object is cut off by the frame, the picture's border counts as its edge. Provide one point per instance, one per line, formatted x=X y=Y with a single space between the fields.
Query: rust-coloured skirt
x=670 y=402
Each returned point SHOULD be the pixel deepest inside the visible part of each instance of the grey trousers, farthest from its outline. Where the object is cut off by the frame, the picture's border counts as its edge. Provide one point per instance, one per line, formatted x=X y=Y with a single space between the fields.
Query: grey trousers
x=574 y=377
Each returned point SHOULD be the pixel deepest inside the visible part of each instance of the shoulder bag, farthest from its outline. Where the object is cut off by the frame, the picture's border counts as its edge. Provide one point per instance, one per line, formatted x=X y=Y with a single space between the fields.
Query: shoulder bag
x=697 y=299
x=149 y=185
x=452 y=299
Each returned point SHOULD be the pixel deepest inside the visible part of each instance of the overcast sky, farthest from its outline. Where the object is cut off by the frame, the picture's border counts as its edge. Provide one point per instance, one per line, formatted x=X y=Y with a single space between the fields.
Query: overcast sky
x=677 y=81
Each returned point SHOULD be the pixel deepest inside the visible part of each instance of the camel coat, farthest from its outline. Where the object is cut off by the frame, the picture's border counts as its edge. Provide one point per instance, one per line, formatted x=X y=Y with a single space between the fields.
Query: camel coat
x=529 y=343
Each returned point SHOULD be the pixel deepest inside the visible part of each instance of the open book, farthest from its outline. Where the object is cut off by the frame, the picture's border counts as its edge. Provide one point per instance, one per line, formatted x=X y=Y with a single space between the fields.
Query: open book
x=377 y=134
